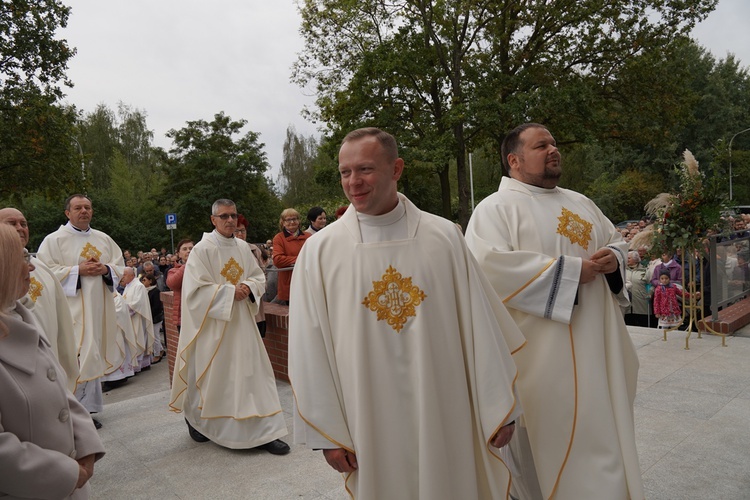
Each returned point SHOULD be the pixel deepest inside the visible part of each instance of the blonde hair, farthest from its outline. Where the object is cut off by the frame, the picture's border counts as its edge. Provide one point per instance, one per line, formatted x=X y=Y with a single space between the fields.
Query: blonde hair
x=287 y=212
x=11 y=259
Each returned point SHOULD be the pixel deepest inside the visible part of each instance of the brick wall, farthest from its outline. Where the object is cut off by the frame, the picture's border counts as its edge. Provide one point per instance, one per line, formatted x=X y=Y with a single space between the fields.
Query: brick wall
x=276 y=341
x=172 y=335
x=277 y=338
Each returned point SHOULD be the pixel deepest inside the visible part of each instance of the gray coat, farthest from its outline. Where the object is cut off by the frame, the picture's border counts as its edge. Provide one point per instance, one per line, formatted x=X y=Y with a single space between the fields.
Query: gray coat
x=43 y=428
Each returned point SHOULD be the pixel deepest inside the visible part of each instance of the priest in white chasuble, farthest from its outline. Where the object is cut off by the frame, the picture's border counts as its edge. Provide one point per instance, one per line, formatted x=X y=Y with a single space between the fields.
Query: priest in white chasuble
x=135 y=296
x=223 y=380
x=88 y=264
x=126 y=343
x=559 y=264
x=46 y=300
x=400 y=352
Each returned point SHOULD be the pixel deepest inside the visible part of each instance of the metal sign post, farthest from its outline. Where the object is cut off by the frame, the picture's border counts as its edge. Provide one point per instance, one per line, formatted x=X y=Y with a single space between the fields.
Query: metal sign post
x=171 y=220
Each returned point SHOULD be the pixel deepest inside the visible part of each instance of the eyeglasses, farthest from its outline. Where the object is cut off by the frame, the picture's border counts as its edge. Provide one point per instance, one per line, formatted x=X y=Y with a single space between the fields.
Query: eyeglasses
x=26 y=256
x=226 y=216
x=291 y=219
x=240 y=231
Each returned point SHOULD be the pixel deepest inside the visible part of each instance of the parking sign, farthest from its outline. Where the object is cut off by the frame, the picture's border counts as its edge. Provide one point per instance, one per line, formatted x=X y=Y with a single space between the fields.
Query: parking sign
x=171 y=220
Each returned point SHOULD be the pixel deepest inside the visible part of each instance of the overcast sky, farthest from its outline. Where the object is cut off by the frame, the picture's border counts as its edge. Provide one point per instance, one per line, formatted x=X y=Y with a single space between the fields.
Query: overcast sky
x=180 y=60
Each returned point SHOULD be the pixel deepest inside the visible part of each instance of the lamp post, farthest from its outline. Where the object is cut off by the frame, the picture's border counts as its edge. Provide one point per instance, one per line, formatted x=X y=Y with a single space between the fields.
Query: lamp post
x=83 y=164
x=730 y=160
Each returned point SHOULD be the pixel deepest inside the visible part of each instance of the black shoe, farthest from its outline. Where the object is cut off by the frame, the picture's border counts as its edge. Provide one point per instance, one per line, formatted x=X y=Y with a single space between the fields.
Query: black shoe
x=97 y=424
x=197 y=436
x=113 y=384
x=275 y=447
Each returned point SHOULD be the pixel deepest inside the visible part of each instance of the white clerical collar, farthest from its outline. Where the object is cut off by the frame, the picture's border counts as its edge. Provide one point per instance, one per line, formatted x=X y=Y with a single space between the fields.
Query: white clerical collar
x=76 y=230
x=383 y=220
x=222 y=240
x=391 y=226
x=534 y=189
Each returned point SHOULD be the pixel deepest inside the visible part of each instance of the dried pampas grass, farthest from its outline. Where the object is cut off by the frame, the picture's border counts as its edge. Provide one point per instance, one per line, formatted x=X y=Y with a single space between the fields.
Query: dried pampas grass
x=691 y=164
x=642 y=239
x=660 y=202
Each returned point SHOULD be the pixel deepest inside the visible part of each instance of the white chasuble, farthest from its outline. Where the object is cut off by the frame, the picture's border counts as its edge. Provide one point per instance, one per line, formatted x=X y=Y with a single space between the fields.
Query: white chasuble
x=135 y=296
x=223 y=379
x=579 y=370
x=126 y=342
x=91 y=305
x=400 y=353
x=46 y=300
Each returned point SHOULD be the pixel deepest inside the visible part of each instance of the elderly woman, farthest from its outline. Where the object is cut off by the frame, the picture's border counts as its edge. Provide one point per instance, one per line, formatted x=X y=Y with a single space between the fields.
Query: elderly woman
x=316 y=220
x=48 y=443
x=286 y=247
x=636 y=282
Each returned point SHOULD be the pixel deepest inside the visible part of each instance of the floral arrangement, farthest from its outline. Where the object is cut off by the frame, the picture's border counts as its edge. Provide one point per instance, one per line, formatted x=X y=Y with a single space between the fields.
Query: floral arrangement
x=682 y=220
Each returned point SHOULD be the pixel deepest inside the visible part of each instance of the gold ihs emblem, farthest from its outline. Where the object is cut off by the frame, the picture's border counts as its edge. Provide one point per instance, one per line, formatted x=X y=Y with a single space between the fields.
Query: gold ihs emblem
x=232 y=271
x=394 y=298
x=576 y=229
x=90 y=251
x=35 y=289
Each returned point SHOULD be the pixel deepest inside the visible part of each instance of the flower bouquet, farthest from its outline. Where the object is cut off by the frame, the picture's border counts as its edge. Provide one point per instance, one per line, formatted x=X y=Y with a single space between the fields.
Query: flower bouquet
x=684 y=219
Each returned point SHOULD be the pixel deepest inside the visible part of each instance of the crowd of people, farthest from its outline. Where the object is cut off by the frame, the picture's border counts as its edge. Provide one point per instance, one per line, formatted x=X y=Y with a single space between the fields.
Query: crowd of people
x=498 y=364
x=647 y=287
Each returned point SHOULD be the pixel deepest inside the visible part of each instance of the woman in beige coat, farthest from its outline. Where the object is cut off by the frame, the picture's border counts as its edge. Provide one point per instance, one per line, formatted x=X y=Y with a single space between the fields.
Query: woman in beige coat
x=48 y=443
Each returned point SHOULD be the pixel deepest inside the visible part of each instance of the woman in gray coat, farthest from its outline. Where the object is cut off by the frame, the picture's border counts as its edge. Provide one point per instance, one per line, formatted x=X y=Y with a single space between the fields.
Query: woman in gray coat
x=48 y=443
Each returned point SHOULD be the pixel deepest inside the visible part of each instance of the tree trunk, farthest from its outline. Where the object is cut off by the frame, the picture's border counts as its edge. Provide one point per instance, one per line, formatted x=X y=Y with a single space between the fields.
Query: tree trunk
x=463 y=185
x=445 y=190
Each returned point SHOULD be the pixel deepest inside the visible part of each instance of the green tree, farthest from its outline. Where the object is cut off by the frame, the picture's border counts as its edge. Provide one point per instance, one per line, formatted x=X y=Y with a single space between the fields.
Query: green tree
x=209 y=161
x=446 y=76
x=97 y=134
x=623 y=197
x=36 y=150
x=297 y=177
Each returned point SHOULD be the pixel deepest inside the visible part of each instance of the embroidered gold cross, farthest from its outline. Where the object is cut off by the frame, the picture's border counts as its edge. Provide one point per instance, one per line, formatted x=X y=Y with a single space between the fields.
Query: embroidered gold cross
x=35 y=289
x=90 y=251
x=232 y=271
x=576 y=229
x=394 y=299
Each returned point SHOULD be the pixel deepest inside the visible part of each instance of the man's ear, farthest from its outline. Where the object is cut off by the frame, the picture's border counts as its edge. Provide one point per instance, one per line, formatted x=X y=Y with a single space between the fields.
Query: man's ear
x=398 y=169
x=512 y=162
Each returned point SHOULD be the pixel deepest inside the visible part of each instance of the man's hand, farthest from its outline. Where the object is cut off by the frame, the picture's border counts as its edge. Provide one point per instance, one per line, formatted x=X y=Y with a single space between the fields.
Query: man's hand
x=241 y=291
x=92 y=267
x=341 y=460
x=589 y=271
x=85 y=470
x=503 y=436
x=603 y=261
x=607 y=259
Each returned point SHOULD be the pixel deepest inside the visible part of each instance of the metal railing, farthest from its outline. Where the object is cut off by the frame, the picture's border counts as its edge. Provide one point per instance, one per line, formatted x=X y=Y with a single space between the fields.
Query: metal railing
x=729 y=277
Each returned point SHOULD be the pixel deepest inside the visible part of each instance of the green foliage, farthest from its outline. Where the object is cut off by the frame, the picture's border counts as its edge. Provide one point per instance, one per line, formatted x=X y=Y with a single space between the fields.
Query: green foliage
x=683 y=219
x=30 y=55
x=624 y=196
x=303 y=157
x=43 y=215
x=36 y=151
x=444 y=77
x=208 y=162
